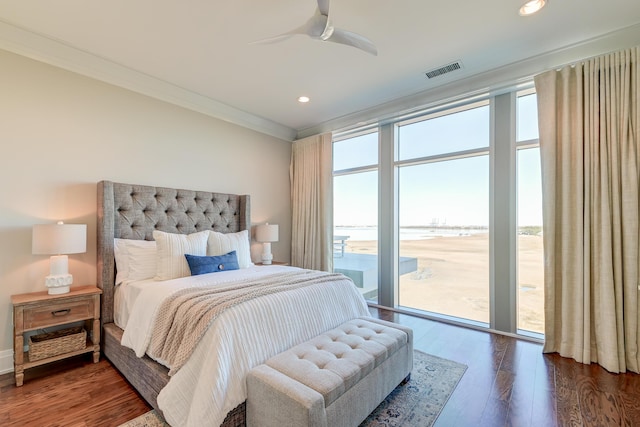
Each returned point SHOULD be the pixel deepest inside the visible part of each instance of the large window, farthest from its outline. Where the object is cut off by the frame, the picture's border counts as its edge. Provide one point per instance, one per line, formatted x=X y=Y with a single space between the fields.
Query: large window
x=355 y=218
x=444 y=214
x=530 y=264
x=440 y=213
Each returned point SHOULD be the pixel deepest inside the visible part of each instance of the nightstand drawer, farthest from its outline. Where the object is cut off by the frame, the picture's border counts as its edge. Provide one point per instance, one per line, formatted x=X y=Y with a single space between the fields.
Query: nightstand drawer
x=57 y=313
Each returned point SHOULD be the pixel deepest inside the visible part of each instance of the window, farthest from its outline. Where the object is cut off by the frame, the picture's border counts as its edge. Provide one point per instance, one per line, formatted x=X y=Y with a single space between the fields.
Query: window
x=446 y=132
x=440 y=213
x=444 y=214
x=355 y=219
x=530 y=258
x=355 y=152
x=527 y=117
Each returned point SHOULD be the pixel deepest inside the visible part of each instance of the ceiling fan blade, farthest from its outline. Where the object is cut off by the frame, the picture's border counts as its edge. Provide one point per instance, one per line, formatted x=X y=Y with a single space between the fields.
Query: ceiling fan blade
x=303 y=30
x=273 y=39
x=323 y=7
x=352 y=39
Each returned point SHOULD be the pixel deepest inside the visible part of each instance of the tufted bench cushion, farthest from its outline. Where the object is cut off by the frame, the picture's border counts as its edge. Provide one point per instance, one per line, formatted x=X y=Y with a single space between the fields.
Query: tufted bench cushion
x=334 y=379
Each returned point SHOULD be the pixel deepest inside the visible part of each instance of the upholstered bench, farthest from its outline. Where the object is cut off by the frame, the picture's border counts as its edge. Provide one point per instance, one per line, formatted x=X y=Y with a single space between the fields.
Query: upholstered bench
x=335 y=379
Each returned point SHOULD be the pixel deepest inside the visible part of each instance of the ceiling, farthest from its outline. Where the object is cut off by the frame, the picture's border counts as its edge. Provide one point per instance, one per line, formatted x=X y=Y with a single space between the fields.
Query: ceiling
x=198 y=53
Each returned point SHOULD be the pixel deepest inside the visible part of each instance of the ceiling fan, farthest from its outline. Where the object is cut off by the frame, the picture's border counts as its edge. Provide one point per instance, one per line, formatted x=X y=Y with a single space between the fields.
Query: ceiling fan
x=319 y=27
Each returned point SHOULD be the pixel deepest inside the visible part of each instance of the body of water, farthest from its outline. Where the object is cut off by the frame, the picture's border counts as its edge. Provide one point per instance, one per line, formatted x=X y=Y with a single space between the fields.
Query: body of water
x=407 y=233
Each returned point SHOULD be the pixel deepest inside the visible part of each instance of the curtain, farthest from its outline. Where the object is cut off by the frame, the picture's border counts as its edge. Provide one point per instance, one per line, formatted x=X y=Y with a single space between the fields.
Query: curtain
x=590 y=148
x=311 y=173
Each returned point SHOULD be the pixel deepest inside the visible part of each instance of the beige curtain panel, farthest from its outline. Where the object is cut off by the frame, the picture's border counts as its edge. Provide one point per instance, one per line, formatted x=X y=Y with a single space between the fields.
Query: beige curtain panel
x=590 y=153
x=311 y=173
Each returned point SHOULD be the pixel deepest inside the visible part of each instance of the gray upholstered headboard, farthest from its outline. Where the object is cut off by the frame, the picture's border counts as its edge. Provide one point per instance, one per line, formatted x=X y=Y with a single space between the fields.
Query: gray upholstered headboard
x=133 y=211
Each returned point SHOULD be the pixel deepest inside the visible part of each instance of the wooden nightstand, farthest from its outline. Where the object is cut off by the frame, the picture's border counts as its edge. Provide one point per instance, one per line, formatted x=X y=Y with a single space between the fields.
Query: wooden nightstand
x=39 y=310
x=274 y=263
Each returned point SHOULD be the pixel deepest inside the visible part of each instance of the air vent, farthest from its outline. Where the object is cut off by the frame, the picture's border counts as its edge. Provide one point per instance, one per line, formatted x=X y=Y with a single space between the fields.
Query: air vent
x=444 y=70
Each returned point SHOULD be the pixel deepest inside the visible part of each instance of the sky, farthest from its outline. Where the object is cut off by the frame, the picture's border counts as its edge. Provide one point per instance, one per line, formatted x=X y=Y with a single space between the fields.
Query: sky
x=452 y=192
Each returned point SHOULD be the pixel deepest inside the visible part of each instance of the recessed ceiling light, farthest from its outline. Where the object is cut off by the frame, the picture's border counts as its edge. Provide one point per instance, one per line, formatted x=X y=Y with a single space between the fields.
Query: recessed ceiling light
x=303 y=99
x=531 y=7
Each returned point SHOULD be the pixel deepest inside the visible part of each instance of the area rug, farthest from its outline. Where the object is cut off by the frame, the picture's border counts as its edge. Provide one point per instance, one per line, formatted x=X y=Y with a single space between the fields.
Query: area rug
x=416 y=403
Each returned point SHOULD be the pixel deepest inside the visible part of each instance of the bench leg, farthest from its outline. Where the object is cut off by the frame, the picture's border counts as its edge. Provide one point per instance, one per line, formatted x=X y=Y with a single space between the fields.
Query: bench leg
x=406 y=380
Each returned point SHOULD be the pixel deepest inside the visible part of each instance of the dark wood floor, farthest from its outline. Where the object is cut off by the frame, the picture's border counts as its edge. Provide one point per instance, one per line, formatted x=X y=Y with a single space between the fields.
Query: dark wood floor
x=509 y=382
x=71 y=393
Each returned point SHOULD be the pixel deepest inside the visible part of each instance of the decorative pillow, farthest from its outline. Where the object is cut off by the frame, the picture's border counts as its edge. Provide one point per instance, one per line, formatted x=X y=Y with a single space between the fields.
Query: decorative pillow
x=135 y=259
x=221 y=243
x=172 y=247
x=212 y=264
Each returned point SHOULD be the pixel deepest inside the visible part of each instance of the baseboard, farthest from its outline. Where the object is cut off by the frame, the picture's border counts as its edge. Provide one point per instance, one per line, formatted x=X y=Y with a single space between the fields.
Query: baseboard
x=6 y=361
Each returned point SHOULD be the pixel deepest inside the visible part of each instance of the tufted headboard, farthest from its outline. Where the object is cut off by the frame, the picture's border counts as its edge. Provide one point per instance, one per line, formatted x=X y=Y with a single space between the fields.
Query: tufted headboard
x=134 y=211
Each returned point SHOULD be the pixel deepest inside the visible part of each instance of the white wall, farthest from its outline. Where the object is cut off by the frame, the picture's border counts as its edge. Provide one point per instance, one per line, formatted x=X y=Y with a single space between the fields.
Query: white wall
x=61 y=133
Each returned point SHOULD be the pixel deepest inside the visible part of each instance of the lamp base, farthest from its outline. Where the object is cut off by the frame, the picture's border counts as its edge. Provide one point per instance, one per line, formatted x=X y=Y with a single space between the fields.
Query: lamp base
x=59 y=290
x=266 y=253
x=58 y=283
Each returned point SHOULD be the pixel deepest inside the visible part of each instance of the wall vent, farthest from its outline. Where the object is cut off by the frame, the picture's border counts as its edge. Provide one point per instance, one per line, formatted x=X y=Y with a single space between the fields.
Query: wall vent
x=444 y=70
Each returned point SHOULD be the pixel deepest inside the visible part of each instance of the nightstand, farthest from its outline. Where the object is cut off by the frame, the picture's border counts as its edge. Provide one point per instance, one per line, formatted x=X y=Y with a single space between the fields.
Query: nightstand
x=39 y=310
x=274 y=263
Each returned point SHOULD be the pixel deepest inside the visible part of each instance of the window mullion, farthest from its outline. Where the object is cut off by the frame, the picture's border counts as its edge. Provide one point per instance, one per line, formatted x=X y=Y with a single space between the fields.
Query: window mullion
x=443 y=157
x=502 y=234
x=388 y=219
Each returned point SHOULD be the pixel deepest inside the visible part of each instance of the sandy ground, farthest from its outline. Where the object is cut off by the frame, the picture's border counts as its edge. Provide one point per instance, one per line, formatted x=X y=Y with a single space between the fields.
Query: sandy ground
x=453 y=277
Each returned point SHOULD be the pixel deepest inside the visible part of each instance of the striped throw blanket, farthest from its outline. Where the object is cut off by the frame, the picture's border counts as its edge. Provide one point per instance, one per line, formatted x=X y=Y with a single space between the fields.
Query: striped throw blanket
x=184 y=317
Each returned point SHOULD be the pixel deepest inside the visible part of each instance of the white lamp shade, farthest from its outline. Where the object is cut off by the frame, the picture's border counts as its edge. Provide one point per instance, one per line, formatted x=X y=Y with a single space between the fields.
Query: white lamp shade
x=267 y=233
x=58 y=239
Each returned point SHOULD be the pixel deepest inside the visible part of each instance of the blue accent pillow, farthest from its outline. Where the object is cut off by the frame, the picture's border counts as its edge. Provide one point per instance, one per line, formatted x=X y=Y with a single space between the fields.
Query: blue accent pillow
x=212 y=264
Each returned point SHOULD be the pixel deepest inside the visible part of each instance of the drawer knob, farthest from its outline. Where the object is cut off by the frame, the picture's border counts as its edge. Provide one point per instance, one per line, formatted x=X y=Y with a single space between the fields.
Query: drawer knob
x=61 y=312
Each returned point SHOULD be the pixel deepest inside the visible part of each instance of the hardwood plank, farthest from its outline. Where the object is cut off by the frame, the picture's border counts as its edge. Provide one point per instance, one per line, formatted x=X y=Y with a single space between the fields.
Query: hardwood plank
x=524 y=383
x=467 y=403
x=544 y=408
x=597 y=408
x=568 y=412
x=631 y=405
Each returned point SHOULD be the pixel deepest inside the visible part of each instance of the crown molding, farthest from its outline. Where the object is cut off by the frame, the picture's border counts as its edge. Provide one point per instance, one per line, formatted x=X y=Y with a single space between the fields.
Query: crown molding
x=53 y=52
x=494 y=82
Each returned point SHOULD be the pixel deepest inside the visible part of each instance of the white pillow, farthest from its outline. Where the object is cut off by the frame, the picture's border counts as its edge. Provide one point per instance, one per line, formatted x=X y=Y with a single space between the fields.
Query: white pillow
x=122 y=260
x=171 y=262
x=135 y=259
x=143 y=260
x=221 y=243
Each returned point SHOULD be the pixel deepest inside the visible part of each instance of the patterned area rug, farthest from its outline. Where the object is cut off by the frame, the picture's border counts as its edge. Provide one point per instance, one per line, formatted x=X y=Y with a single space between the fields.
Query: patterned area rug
x=415 y=404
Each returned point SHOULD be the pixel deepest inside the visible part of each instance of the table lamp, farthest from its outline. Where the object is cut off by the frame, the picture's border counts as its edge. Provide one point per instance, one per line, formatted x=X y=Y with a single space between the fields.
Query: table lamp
x=265 y=234
x=59 y=240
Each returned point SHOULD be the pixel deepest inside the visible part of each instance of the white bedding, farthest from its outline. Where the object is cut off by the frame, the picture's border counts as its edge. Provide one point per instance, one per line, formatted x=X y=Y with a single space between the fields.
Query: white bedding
x=212 y=382
x=124 y=297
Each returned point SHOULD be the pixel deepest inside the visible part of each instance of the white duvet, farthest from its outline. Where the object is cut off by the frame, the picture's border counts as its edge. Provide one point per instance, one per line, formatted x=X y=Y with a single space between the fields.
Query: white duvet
x=212 y=382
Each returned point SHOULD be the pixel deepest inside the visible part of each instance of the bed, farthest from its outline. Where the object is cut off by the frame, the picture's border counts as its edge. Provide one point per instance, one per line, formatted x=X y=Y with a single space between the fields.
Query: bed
x=134 y=212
